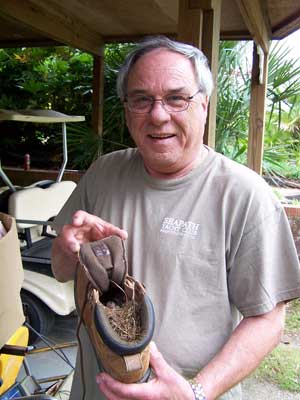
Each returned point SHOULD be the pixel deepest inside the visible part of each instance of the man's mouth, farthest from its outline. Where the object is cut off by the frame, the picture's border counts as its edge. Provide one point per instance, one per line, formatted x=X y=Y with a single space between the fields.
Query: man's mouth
x=161 y=136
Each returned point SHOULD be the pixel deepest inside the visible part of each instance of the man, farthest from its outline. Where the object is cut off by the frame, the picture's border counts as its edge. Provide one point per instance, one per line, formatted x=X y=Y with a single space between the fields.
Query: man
x=206 y=236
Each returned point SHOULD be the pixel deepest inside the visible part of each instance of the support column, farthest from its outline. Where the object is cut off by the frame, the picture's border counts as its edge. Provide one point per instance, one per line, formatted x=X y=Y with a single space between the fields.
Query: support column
x=98 y=89
x=210 y=47
x=190 y=23
x=199 y=25
x=257 y=109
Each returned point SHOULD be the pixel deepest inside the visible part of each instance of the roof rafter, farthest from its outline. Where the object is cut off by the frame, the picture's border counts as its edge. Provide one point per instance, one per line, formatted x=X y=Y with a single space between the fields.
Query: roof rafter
x=256 y=20
x=53 y=22
x=287 y=25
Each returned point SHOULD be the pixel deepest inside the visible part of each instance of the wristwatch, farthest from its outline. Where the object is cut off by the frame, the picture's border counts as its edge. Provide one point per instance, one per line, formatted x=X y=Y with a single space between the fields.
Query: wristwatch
x=198 y=390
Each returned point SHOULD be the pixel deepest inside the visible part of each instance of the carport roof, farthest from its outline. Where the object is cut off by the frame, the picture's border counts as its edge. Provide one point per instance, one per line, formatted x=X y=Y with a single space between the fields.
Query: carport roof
x=90 y=23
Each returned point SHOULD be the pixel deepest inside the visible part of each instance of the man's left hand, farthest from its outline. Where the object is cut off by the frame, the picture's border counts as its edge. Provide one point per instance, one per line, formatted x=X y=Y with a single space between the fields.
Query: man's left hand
x=166 y=385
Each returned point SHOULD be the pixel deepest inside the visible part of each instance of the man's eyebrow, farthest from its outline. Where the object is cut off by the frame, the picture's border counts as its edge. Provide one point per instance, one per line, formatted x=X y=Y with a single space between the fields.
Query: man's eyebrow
x=144 y=91
x=178 y=90
x=137 y=91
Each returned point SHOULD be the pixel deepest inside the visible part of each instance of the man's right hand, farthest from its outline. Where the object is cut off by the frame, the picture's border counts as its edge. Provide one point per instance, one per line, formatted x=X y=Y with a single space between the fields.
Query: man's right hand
x=85 y=227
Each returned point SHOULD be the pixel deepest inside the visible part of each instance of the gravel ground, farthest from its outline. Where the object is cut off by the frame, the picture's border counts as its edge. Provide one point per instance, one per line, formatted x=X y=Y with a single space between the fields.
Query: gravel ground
x=254 y=389
x=257 y=390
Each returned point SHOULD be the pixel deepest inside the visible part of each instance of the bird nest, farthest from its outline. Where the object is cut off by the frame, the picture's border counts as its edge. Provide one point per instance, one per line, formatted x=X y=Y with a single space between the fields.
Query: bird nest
x=125 y=319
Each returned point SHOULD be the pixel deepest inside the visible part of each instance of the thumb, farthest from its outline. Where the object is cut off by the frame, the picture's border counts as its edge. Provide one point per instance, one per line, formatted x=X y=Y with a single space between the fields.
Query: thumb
x=74 y=247
x=157 y=362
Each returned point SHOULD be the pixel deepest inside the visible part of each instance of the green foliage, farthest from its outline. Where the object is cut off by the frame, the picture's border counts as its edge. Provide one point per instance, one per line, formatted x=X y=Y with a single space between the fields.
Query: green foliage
x=115 y=133
x=282 y=367
x=293 y=316
x=282 y=131
x=283 y=83
x=233 y=101
x=61 y=79
x=58 y=78
x=42 y=78
x=81 y=137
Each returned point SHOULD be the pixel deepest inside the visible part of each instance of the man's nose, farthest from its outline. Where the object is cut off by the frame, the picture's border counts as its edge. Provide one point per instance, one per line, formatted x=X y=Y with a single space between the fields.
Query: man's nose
x=158 y=114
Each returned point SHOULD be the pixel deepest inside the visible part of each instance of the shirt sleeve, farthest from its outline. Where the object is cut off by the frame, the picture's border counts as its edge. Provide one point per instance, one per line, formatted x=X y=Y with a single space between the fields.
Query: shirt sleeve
x=77 y=201
x=265 y=270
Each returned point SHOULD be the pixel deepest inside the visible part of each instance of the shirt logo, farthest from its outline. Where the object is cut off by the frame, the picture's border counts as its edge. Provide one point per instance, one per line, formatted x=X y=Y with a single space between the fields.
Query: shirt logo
x=179 y=227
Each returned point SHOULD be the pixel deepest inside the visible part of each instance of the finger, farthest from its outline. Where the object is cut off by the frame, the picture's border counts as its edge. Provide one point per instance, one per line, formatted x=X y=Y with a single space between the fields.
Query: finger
x=101 y=228
x=114 y=389
x=105 y=390
x=107 y=229
x=74 y=247
x=157 y=362
x=68 y=240
x=81 y=217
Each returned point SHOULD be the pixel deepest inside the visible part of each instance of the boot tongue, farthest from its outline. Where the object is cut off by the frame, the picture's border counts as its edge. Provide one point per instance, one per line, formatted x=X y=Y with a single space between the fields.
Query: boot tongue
x=105 y=261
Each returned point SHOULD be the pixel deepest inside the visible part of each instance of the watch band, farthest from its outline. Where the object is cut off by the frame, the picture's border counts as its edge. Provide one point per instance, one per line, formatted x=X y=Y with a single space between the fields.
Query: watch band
x=198 y=390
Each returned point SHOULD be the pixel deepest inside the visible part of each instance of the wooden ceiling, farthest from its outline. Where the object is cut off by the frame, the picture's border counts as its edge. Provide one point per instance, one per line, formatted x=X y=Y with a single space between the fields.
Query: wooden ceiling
x=87 y=24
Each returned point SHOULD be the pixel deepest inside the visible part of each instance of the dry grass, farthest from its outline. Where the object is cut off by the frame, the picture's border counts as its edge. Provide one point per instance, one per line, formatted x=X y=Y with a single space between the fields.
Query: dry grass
x=282 y=366
x=125 y=320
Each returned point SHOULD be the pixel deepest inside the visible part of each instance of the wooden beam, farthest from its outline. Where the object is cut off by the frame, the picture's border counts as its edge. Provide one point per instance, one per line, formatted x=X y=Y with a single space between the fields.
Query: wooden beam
x=210 y=47
x=257 y=110
x=255 y=17
x=189 y=24
x=97 y=100
x=53 y=21
x=204 y=5
x=29 y=43
x=199 y=25
x=287 y=26
x=134 y=38
x=235 y=35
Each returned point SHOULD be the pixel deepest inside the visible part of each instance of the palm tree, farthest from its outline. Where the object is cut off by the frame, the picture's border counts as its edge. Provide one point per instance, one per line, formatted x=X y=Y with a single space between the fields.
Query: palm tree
x=283 y=92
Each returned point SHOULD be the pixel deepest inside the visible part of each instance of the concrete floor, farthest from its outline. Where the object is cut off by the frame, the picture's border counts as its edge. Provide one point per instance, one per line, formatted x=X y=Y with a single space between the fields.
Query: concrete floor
x=50 y=364
x=47 y=364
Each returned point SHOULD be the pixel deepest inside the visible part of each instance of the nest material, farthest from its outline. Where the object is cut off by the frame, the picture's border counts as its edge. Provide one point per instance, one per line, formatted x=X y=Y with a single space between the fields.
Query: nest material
x=125 y=320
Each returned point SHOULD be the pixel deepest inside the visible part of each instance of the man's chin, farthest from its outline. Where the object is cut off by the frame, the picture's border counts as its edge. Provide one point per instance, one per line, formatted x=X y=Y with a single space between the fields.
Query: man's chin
x=161 y=166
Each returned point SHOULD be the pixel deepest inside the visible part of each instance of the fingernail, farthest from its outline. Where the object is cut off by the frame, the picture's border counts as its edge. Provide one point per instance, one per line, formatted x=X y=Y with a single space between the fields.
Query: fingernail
x=75 y=247
x=153 y=345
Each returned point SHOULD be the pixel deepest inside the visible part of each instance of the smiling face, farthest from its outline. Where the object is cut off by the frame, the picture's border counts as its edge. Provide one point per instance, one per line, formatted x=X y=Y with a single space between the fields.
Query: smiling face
x=170 y=143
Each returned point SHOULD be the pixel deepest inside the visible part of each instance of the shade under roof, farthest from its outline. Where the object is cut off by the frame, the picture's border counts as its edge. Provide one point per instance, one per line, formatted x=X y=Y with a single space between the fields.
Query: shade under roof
x=77 y=23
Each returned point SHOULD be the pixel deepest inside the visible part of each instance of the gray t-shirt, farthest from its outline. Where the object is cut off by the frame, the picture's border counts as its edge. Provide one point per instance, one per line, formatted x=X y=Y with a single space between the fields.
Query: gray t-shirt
x=211 y=247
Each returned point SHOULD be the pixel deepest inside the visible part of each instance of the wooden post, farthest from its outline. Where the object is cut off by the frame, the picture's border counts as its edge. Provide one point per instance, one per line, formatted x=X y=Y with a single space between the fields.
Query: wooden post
x=257 y=109
x=97 y=100
x=210 y=47
x=190 y=24
x=199 y=25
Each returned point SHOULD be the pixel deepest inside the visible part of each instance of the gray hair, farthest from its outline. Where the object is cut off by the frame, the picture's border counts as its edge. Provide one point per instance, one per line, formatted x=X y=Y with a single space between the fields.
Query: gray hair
x=198 y=59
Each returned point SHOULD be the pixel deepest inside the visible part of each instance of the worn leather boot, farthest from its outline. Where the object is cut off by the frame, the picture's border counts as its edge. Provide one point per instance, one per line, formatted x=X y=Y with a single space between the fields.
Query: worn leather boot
x=115 y=310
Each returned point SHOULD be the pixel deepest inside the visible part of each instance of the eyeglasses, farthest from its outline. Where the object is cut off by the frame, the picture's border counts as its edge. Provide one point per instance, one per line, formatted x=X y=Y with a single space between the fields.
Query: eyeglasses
x=142 y=104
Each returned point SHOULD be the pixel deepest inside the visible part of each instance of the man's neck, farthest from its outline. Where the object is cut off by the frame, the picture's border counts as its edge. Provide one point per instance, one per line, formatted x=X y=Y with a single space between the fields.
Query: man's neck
x=182 y=172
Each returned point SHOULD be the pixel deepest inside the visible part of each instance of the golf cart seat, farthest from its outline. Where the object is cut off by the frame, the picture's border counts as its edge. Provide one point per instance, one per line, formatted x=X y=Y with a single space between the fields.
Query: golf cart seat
x=39 y=204
x=33 y=208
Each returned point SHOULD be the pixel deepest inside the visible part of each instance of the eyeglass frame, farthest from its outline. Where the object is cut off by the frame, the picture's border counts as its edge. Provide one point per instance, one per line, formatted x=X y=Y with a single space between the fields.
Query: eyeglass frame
x=187 y=99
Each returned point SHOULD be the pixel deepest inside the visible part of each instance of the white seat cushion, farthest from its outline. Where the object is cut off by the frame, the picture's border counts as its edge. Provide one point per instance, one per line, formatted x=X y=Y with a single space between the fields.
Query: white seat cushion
x=35 y=203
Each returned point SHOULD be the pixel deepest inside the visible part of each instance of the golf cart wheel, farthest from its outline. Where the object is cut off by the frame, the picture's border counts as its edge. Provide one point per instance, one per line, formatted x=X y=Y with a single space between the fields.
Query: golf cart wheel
x=37 y=315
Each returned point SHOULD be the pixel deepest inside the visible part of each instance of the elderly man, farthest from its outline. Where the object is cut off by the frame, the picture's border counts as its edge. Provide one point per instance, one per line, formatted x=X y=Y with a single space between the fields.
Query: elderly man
x=206 y=236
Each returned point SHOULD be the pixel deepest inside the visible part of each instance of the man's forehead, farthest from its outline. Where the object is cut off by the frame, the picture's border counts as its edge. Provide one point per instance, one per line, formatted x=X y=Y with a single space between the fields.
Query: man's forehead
x=162 y=64
x=163 y=56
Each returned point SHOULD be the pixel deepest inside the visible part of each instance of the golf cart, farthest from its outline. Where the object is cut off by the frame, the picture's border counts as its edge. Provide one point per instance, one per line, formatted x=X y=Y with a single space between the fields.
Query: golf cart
x=17 y=379
x=34 y=207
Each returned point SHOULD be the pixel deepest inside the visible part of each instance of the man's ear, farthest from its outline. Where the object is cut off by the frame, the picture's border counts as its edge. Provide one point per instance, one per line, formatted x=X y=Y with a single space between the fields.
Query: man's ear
x=126 y=115
x=204 y=104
